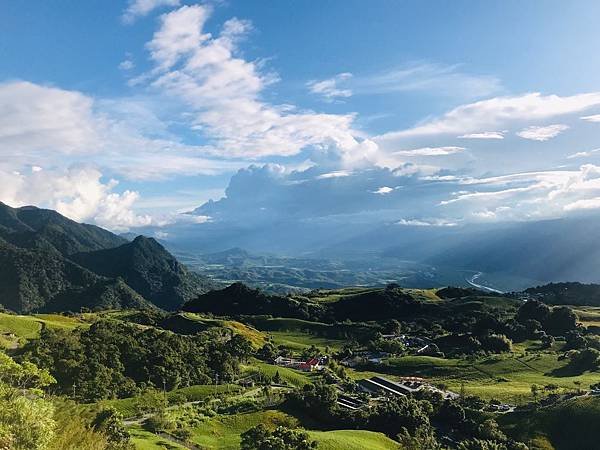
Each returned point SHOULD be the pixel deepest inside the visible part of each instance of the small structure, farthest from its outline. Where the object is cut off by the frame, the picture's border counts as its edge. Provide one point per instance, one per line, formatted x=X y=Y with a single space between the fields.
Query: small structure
x=406 y=386
x=288 y=362
x=310 y=365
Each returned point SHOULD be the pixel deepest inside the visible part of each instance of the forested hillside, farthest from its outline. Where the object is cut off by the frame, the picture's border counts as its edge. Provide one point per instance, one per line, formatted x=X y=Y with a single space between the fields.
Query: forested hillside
x=51 y=263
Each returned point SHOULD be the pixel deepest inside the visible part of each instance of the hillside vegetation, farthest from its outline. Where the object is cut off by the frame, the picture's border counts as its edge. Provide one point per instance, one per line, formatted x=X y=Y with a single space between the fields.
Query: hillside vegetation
x=51 y=263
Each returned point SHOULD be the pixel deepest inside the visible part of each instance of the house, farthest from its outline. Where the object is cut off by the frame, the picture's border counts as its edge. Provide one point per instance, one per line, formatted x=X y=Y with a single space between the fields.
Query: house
x=310 y=365
x=406 y=386
x=288 y=362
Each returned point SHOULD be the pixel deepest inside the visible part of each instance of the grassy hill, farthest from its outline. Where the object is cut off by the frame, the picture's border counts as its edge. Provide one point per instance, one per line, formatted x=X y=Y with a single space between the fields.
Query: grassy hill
x=352 y=440
x=507 y=377
x=15 y=330
x=571 y=425
x=224 y=432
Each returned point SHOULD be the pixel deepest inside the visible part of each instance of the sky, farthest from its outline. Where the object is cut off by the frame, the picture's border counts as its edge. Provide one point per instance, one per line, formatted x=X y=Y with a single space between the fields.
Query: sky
x=130 y=113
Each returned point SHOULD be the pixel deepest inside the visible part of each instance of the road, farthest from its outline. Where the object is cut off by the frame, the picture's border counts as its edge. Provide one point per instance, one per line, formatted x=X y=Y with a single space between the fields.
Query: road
x=473 y=283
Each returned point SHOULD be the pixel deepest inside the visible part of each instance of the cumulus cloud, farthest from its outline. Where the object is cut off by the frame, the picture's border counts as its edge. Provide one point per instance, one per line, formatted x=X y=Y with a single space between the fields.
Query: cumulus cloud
x=543 y=133
x=139 y=8
x=431 y=151
x=492 y=113
x=329 y=88
x=222 y=92
x=484 y=135
x=78 y=193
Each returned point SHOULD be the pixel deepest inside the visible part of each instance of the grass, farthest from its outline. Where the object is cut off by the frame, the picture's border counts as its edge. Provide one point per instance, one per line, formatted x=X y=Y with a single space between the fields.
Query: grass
x=257 y=338
x=352 y=440
x=129 y=406
x=223 y=432
x=588 y=315
x=290 y=376
x=506 y=378
x=298 y=341
x=15 y=330
x=570 y=425
x=144 y=440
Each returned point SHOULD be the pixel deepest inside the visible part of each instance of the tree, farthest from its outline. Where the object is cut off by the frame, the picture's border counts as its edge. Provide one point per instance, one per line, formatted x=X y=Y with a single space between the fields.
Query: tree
x=586 y=359
x=561 y=320
x=480 y=444
x=110 y=422
x=496 y=343
x=26 y=424
x=490 y=430
x=239 y=347
x=533 y=310
x=26 y=420
x=548 y=341
x=422 y=439
x=267 y=352
x=282 y=438
x=393 y=327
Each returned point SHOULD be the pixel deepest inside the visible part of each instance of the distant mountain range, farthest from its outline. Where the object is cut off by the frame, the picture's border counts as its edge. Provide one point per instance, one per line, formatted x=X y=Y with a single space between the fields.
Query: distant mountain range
x=510 y=256
x=51 y=263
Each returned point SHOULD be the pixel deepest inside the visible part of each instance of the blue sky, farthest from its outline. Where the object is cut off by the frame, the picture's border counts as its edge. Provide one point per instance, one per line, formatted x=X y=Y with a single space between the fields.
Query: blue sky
x=128 y=113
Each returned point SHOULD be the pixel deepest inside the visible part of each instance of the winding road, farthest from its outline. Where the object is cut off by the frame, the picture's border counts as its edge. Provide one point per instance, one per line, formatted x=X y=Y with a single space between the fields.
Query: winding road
x=473 y=283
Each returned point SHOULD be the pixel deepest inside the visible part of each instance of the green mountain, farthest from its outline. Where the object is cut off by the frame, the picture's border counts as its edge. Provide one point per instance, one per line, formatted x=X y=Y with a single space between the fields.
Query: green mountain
x=31 y=227
x=239 y=299
x=51 y=263
x=148 y=268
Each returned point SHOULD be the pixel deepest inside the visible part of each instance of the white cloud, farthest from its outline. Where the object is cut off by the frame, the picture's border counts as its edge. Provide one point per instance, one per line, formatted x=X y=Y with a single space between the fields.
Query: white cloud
x=383 y=190
x=126 y=64
x=594 y=119
x=492 y=113
x=437 y=79
x=40 y=118
x=336 y=174
x=329 y=88
x=484 y=135
x=222 y=93
x=584 y=204
x=426 y=223
x=44 y=126
x=527 y=196
x=430 y=151
x=584 y=154
x=139 y=8
x=78 y=193
x=543 y=133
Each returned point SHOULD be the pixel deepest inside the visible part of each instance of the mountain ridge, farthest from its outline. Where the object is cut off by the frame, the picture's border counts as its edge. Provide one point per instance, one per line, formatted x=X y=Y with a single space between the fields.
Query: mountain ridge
x=51 y=263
